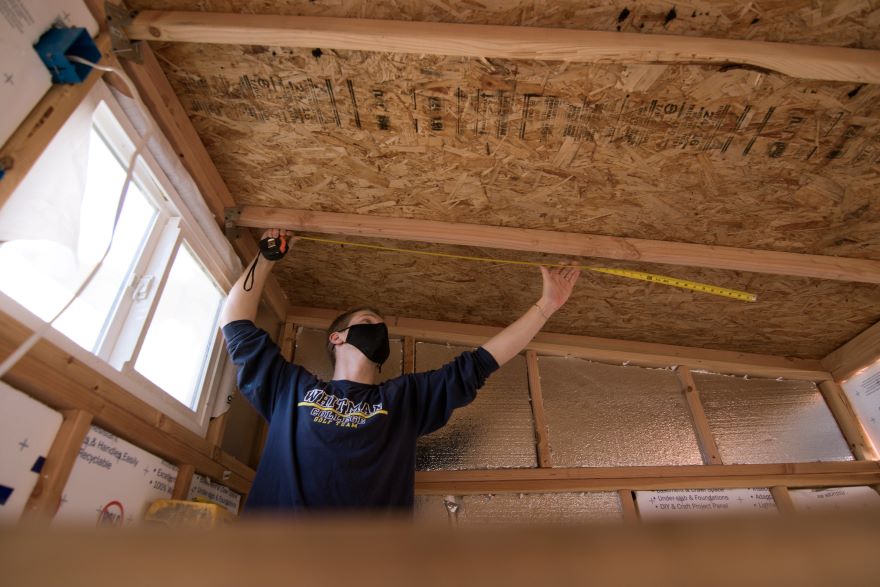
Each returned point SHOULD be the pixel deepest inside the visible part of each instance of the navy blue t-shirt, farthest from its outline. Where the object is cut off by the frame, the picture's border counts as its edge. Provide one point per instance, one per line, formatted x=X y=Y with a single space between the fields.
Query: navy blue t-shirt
x=342 y=444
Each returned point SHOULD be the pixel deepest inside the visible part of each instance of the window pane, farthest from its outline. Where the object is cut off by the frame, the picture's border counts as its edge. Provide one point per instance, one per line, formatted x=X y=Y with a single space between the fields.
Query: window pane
x=42 y=275
x=178 y=341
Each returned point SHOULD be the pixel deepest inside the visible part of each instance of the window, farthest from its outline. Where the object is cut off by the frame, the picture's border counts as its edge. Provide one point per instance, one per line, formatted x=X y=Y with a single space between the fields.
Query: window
x=151 y=310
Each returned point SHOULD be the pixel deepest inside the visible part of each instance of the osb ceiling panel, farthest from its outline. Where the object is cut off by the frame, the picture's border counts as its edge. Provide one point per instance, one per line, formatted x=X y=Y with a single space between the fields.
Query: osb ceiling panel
x=712 y=155
x=793 y=316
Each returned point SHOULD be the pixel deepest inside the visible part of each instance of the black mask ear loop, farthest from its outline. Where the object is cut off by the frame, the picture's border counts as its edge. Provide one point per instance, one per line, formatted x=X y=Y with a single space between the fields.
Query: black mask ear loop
x=250 y=275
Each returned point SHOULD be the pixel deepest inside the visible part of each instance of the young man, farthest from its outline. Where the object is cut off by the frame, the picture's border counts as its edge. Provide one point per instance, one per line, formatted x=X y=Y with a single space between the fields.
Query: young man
x=350 y=443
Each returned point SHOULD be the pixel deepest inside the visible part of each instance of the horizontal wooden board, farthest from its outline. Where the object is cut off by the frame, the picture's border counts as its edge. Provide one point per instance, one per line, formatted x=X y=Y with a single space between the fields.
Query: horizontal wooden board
x=793 y=316
x=853 y=23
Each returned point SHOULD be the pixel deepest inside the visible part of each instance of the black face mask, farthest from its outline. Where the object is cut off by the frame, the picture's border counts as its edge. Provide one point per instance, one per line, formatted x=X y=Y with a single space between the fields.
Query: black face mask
x=370 y=339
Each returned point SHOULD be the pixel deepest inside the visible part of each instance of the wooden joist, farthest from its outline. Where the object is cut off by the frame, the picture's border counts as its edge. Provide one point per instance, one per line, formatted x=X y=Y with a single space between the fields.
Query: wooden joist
x=705 y=439
x=592 y=348
x=828 y=474
x=565 y=243
x=510 y=42
x=856 y=438
x=856 y=354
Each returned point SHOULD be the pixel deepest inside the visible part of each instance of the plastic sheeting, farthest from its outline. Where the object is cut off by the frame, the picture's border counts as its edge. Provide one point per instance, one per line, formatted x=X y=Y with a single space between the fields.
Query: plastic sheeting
x=311 y=353
x=770 y=421
x=609 y=416
x=495 y=431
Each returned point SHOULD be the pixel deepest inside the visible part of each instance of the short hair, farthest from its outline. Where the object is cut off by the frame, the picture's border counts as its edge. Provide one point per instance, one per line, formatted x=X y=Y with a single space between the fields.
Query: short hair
x=341 y=323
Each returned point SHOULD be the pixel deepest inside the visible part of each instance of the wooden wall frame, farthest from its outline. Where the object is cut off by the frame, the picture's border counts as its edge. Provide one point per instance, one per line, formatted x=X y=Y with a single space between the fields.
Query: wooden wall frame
x=855 y=354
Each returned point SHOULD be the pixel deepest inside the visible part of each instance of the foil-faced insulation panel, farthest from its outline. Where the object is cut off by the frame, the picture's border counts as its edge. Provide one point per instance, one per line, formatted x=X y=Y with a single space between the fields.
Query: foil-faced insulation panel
x=770 y=421
x=495 y=431
x=311 y=353
x=610 y=416
x=538 y=508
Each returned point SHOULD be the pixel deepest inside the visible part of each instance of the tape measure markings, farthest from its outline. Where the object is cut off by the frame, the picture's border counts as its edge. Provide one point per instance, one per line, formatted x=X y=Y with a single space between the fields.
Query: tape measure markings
x=627 y=273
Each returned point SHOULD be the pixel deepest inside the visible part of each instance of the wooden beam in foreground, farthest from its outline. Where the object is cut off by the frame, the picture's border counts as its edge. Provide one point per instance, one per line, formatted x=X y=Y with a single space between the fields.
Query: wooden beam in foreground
x=509 y=42
x=856 y=354
x=830 y=474
x=565 y=243
x=606 y=350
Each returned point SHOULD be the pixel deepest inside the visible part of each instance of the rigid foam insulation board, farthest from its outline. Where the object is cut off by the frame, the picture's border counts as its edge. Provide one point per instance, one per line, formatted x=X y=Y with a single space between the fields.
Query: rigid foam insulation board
x=538 y=508
x=700 y=503
x=494 y=431
x=770 y=421
x=202 y=487
x=113 y=482
x=27 y=430
x=612 y=416
x=863 y=391
x=831 y=499
x=23 y=76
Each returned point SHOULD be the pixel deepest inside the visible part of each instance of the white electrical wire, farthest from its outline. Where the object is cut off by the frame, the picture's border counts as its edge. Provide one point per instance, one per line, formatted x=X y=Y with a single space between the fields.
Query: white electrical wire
x=27 y=345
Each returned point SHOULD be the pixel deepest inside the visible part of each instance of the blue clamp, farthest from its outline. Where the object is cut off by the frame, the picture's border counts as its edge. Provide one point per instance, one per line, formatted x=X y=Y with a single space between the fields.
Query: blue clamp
x=57 y=44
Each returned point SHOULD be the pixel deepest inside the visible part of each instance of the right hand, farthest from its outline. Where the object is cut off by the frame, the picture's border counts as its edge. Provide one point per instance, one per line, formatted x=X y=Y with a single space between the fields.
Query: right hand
x=286 y=235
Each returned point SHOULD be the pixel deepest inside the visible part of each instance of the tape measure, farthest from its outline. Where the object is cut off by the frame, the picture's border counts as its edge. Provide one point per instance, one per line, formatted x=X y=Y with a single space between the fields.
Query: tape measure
x=639 y=275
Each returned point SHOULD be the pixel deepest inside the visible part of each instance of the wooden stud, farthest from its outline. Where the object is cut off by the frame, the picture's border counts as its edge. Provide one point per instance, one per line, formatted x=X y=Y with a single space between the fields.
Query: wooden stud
x=783 y=500
x=184 y=481
x=628 y=506
x=827 y=474
x=507 y=42
x=46 y=496
x=541 y=430
x=856 y=354
x=565 y=243
x=705 y=438
x=409 y=354
x=288 y=339
x=592 y=348
x=850 y=426
x=34 y=134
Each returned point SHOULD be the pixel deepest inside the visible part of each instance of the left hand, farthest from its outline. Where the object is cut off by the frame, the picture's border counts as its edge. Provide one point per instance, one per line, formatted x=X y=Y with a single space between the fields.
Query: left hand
x=558 y=284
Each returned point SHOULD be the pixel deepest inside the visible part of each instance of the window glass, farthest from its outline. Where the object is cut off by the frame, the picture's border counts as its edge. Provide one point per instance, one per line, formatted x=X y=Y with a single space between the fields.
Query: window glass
x=182 y=330
x=41 y=275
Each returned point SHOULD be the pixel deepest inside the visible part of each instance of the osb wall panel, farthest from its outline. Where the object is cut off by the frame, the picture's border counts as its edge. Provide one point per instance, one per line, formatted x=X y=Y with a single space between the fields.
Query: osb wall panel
x=684 y=153
x=796 y=317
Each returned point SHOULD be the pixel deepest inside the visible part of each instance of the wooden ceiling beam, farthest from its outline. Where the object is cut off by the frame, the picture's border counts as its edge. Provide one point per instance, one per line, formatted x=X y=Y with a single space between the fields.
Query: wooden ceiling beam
x=565 y=243
x=606 y=350
x=856 y=354
x=509 y=42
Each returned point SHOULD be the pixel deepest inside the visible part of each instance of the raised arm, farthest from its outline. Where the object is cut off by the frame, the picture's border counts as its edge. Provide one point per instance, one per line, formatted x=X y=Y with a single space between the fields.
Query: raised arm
x=558 y=284
x=242 y=304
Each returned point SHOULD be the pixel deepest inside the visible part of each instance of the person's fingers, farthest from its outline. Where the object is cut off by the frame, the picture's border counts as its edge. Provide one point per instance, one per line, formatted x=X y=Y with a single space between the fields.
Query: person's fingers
x=545 y=273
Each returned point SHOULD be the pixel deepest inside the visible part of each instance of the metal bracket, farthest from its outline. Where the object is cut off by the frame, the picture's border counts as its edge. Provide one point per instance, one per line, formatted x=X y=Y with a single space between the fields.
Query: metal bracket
x=118 y=17
x=230 y=222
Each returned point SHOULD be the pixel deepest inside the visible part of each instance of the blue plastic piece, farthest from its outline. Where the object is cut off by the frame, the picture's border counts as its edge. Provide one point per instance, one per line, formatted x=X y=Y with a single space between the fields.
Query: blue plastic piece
x=57 y=44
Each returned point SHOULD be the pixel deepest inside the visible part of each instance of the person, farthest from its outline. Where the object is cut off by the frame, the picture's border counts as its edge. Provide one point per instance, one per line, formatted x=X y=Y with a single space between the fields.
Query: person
x=350 y=443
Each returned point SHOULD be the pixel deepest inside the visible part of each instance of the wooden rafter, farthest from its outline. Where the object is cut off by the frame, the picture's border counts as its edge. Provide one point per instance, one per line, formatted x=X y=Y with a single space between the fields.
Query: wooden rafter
x=564 y=243
x=511 y=42
x=592 y=348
